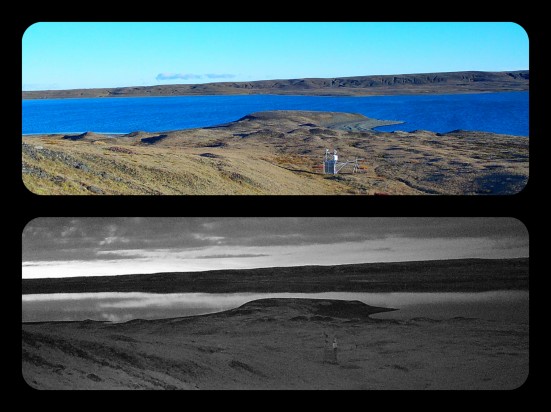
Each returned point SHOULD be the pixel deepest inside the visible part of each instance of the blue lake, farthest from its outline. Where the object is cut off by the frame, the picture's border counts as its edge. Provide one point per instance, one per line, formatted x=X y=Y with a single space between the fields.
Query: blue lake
x=492 y=112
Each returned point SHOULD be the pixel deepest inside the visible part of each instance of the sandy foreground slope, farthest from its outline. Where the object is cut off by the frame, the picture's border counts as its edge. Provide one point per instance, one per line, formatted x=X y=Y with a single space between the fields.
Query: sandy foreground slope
x=276 y=153
x=277 y=344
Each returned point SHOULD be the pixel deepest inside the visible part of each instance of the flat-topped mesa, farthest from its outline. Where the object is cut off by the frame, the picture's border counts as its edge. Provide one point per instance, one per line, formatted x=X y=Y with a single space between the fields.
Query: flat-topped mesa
x=304 y=309
x=271 y=121
x=309 y=118
x=301 y=115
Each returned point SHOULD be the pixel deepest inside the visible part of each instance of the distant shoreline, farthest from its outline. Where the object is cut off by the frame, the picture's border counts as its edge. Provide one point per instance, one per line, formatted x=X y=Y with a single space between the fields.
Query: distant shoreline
x=435 y=93
x=457 y=275
x=382 y=85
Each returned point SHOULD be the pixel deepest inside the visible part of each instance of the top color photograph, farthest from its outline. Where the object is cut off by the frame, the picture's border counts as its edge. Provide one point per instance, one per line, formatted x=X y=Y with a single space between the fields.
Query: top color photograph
x=268 y=108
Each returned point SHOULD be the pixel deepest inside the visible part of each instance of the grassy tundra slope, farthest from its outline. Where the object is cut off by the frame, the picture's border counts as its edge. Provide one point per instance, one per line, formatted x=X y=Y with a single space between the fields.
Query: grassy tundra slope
x=276 y=153
x=277 y=344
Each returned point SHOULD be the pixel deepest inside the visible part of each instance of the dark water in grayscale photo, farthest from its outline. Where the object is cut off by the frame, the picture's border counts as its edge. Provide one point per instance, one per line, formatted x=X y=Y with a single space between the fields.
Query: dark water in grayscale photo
x=119 y=307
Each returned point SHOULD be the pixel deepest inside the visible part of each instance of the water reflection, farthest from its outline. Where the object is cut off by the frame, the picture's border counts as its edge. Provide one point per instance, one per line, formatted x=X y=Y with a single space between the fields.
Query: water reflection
x=120 y=307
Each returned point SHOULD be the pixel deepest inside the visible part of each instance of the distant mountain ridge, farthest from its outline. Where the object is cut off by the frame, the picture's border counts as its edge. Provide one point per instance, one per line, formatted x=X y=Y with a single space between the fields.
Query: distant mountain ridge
x=456 y=275
x=422 y=83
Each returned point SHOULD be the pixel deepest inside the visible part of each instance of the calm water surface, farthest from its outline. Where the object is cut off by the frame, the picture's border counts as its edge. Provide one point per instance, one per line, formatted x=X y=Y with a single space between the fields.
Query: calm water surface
x=492 y=112
x=118 y=307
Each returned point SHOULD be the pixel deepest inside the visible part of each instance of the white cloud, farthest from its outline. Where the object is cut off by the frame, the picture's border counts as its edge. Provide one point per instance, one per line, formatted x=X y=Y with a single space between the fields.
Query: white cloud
x=173 y=76
x=113 y=239
x=191 y=76
x=214 y=239
x=219 y=76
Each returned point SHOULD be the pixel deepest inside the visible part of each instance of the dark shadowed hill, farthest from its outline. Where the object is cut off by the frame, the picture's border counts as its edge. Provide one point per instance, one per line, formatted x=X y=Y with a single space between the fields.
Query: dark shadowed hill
x=423 y=83
x=303 y=309
x=458 y=275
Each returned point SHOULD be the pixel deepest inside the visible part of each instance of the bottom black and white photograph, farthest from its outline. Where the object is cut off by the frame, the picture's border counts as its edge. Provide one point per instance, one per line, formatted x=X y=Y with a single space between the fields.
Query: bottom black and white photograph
x=275 y=303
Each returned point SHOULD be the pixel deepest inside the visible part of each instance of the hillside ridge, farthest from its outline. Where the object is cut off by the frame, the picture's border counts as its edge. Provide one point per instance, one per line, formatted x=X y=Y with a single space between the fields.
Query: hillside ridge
x=431 y=275
x=420 y=83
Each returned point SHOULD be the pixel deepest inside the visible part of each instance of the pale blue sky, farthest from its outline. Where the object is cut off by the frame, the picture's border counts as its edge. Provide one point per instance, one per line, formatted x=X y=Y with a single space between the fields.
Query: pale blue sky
x=88 y=55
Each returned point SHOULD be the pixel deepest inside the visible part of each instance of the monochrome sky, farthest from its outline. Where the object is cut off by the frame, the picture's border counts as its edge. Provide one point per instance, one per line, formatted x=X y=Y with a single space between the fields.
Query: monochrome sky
x=69 y=55
x=63 y=247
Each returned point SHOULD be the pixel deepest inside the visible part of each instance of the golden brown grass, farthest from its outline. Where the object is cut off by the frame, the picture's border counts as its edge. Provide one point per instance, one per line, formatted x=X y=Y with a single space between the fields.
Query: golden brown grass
x=277 y=153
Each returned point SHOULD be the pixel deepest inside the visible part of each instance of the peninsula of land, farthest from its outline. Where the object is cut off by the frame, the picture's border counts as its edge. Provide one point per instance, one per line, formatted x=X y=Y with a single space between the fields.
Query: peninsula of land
x=277 y=153
x=423 y=83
